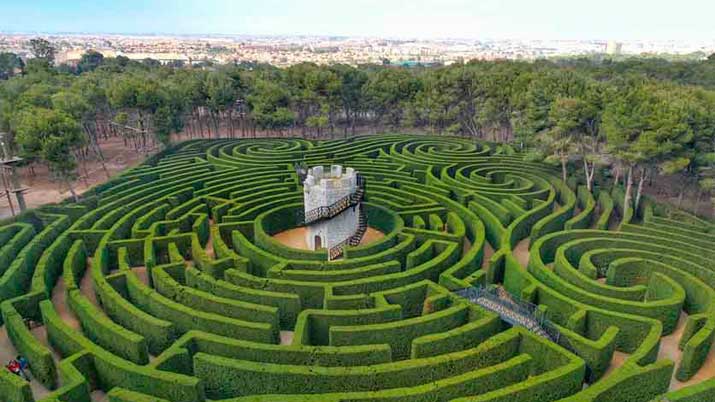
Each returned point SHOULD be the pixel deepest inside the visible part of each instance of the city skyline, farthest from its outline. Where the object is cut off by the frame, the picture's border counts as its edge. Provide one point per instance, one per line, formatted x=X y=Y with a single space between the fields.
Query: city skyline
x=424 y=19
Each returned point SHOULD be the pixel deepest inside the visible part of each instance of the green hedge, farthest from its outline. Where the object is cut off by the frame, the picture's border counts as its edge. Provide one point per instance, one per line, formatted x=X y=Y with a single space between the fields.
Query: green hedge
x=115 y=301
x=104 y=332
x=701 y=392
x=125 y=395
x=13 y=388
x=13 y=239
x=605 y=204
x=42 y=364
x=78 y=376
x=112 y=371
x=583 y=219
x=225 y=378
x=185 y=318
x=165 y=281
x=17 y=278
x=542 y=387
x=326 y=356
x=381 y=324
x=288 y=305
x=471 y=383
x=400 y=334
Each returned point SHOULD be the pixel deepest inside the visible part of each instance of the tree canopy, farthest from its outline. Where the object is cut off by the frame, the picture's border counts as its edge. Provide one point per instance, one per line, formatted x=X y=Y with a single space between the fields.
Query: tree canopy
x=639 y=117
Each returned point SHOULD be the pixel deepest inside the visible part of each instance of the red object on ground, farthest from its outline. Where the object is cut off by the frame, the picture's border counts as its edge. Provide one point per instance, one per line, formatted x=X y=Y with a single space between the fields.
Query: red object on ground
x=14 y=366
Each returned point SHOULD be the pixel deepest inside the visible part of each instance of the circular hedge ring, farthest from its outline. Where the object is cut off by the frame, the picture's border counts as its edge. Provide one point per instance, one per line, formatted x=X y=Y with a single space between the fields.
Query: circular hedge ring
x=493 y=280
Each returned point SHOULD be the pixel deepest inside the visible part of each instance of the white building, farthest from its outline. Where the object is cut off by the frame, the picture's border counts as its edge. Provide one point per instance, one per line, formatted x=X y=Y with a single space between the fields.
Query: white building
x=332 y=207
x=613 y=47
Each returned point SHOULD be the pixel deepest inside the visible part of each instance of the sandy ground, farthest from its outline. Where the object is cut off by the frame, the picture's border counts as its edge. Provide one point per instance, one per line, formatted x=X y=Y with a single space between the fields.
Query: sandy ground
x=287 y=337
x=98 y=396
x=521 y=252
x=669 y=350
x=86 y=287
x=467 y=245
x=142 y=274
x=7 y=353
x=59 y=301
x=43 y=190
x=210 y=242
x=616 y=361
x=295 y=238
x=488 y=252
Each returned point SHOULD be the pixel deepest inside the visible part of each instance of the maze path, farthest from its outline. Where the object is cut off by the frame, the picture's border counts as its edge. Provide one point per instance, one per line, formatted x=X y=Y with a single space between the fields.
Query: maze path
x=168 y=283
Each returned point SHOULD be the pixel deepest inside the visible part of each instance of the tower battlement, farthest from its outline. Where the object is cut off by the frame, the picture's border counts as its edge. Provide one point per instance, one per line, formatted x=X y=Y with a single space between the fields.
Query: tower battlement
x=332 y=207
x=323 y=187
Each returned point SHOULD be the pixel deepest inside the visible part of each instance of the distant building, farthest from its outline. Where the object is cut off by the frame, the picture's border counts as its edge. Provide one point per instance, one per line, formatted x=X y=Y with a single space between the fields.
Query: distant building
x=614 y=48
x=411 y=63
x=73 y=56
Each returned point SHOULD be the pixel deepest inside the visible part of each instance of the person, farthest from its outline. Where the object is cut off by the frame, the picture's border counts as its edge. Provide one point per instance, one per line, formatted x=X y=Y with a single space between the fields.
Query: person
x=14 y=367
x=24 y=366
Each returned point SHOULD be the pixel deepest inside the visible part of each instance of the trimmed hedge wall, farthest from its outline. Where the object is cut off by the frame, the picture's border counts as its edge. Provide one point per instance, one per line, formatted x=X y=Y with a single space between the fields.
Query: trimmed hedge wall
x=112 y=371
x=185 y=267
x=228 y=377
x=13 y=388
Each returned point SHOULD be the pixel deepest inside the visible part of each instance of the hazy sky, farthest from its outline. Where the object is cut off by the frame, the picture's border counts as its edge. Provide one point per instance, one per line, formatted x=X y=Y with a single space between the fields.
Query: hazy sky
x=550 y=19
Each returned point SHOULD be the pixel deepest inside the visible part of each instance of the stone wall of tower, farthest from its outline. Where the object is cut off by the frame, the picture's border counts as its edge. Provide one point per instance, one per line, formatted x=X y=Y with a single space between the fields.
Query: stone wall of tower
x=322 y=188
x=335 y=230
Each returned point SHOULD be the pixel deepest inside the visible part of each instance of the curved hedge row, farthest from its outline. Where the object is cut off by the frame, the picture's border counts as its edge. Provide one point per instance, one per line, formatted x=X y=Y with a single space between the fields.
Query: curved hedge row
x=167 y=283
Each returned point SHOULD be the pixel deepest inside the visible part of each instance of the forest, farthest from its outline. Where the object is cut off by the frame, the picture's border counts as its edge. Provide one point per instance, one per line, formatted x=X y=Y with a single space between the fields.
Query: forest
x=639 y=121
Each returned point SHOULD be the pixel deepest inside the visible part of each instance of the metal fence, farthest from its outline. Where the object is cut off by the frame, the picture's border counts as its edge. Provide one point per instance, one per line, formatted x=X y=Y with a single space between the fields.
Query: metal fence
x=510 y=306
x=330 y=211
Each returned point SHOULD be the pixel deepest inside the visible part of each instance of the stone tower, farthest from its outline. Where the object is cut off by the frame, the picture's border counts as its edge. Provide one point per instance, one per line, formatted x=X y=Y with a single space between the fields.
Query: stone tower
x=333 y=210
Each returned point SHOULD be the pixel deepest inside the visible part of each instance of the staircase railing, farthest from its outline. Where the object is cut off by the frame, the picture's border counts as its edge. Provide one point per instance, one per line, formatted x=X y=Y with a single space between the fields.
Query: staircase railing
x=516 y=312
x=333 y=210
x=301 y=169
x=337 y=250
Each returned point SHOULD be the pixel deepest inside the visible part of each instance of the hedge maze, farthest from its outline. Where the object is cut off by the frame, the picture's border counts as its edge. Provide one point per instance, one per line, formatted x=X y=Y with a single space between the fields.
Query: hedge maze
x=166 y=284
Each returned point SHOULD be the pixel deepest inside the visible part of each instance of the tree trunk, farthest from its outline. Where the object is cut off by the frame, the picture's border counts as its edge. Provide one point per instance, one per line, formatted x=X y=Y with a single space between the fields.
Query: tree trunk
x=83 y=163
x=205 y=129
x=102 y=161
x=141 y=129
x=588 y=175
x=217 y=124
x=207 y=124
x=98 y=150
x=563 y=168
x=629 y=188
x=639 y=193
x=231 y=125
x=696 y=209
x=347 y=123
x=69 y=186
x=681 y=194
